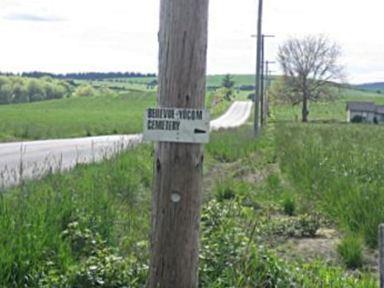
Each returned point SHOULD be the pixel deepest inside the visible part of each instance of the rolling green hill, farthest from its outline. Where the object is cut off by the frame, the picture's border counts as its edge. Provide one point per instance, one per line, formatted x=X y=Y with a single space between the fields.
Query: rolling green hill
x=103 y=114
x=75 y=117
x=377 y=86
x=121 y=111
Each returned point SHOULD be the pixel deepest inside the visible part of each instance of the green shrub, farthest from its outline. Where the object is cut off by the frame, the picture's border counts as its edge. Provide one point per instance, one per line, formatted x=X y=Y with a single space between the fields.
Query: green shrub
x=298 y=227
x=224 y=192
x=85 y=90
x=274 y=183
x=289 y=205
x=350 y=250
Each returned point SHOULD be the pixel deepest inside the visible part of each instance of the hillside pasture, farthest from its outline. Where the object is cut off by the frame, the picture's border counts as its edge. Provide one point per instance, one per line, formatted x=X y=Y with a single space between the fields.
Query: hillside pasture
x=75 y=117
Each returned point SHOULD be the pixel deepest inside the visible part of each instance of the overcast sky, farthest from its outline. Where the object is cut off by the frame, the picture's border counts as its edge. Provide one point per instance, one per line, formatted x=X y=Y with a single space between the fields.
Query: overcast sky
x=121 y=35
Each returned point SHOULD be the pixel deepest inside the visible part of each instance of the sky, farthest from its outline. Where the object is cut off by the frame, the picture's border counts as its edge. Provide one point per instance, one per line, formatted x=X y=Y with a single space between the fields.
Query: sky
x=63 y=36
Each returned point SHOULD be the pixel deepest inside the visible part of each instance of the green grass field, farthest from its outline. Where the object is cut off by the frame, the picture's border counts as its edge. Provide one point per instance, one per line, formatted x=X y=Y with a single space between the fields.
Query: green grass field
x=119 y=112
x=216 y=80
x=75 y=117
x=330 y=111
x=141 y=83
x=122 y=84
x=82 y=116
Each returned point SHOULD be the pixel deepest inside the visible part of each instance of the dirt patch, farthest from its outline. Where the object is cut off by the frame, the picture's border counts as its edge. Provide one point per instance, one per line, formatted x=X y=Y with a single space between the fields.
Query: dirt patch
x=218 y=171
x=310 y=249
x=260 y=175
x=323 y=247
x=371 y=260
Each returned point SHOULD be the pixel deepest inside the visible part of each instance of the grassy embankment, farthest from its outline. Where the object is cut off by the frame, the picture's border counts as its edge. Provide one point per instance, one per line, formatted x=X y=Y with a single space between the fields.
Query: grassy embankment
x=340 y=168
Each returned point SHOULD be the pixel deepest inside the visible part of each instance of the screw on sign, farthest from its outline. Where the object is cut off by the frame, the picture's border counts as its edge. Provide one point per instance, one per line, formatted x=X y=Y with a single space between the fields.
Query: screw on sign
x=176 y=125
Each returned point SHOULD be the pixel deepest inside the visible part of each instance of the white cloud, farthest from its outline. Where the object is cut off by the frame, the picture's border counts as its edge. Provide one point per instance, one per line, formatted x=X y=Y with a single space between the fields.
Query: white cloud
x=122 y=34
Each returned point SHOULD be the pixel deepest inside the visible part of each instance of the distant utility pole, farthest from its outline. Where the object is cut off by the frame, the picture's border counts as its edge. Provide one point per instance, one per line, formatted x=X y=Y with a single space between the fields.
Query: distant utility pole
x=258 y=66
x=262 y=80
x=381 y=254
x=267 y=85
x=178 y=166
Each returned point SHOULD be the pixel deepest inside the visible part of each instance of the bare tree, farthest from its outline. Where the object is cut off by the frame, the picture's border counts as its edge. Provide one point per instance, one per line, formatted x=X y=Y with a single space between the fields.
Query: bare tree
x=309 y=64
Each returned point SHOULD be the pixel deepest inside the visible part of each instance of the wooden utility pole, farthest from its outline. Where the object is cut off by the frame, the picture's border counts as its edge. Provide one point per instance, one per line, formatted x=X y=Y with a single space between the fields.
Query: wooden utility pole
x=266 y=89
x=258 y=65
x=266 y=98
x=381 y=254
x=262 y=83
x=178 y=167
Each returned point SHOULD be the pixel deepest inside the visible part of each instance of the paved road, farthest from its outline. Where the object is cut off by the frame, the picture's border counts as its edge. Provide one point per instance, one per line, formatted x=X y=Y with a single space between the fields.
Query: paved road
x=26 y=160
x=235 y=116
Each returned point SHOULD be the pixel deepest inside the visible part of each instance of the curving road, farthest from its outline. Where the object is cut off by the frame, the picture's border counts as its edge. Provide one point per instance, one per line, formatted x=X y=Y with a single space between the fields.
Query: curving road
x=235 y=116
x=29 y=160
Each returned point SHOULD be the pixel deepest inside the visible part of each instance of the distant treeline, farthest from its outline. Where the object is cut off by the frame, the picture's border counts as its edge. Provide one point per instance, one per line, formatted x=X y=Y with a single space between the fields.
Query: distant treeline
x=15 y=89
x=83 y=76
x=241 y=88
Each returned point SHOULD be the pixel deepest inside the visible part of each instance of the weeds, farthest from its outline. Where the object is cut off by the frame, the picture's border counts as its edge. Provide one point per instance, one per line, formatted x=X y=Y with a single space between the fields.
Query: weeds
x=226 y=148
x=340 y=168
x=289 y=205
x=101 y=199
x=351 y=251
x=89 y=227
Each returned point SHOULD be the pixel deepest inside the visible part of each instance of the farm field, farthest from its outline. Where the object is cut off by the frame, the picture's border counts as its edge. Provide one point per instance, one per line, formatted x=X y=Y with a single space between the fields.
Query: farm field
x=116 y=112
x=329 y=111
x=141 y=82
x=75 y=116
x=245 y=79
x=84 y=116
x=121 y=113
x=90 y=226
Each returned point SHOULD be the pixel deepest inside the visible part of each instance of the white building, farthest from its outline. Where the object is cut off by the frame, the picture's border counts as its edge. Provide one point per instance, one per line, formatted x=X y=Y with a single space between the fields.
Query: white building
x=365 y=112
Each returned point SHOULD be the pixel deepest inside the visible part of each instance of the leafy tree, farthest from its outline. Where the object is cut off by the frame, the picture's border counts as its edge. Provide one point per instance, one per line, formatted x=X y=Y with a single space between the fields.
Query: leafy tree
x=152 y=84
x=309 y=64
x=15 y=89
x=36 y=91
x=85 y=90
x=228 y=84
x=6 y=93
x=20 y=93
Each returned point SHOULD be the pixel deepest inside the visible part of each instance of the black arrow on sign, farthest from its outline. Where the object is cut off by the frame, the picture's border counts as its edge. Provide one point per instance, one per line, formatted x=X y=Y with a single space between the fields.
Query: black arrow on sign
x=199 y=131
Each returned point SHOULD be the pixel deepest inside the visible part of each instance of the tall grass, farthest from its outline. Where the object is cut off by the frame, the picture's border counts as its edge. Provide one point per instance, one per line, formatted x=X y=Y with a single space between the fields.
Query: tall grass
x=340 y=167
x=90 y=227
x=226 y=148
x=108 y=199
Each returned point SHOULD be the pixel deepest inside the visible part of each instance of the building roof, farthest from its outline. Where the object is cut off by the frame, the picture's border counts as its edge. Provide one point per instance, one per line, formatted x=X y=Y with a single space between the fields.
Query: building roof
x=361 y=106
x=380 y=109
